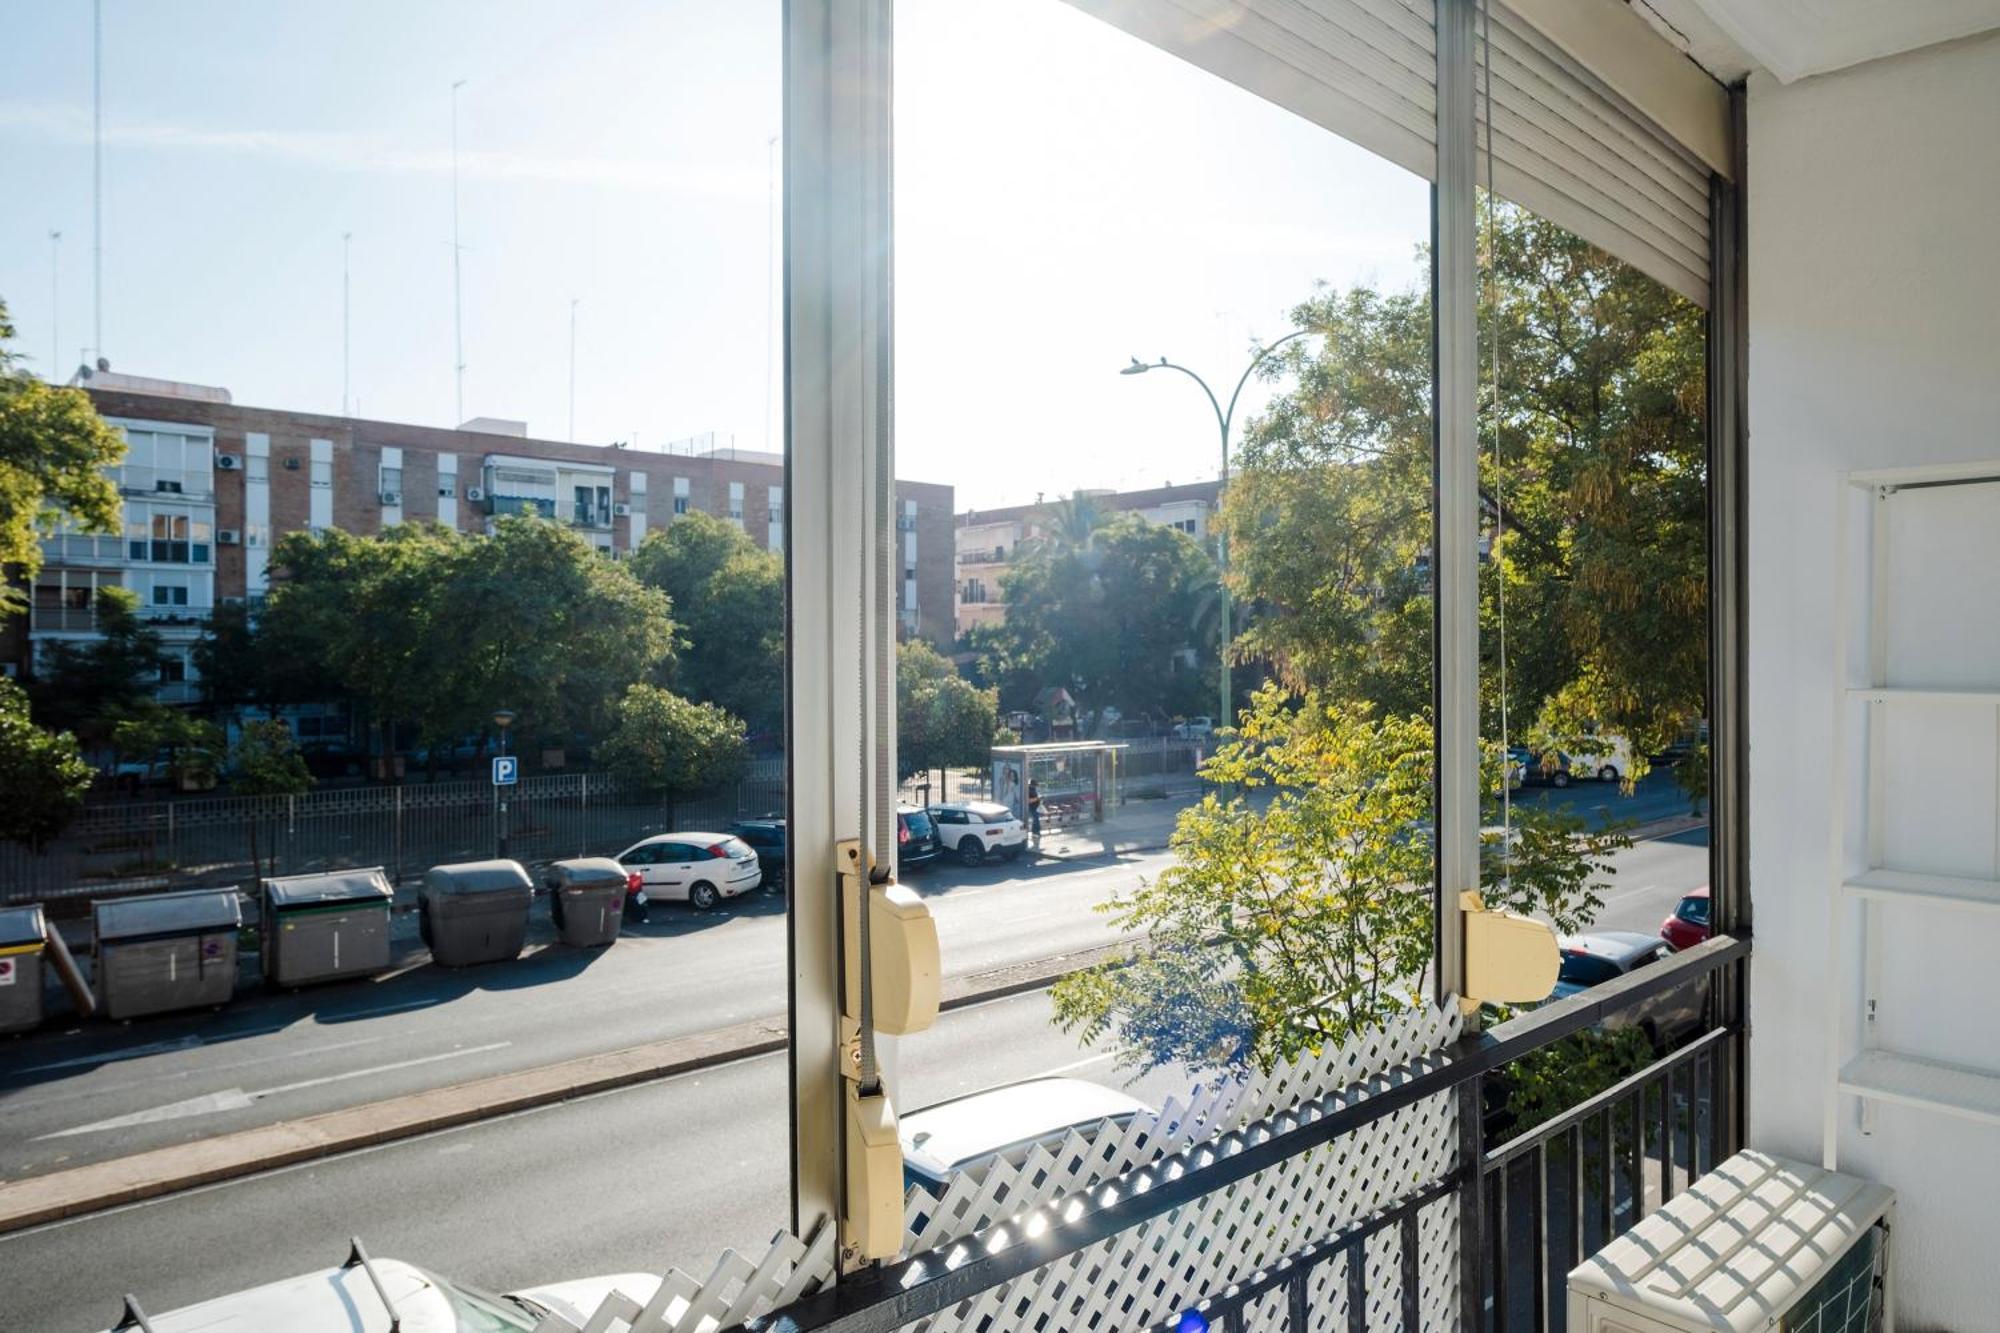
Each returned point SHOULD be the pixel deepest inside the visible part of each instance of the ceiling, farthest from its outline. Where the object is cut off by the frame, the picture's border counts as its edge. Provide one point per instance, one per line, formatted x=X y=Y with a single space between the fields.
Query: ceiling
x=1793 y=39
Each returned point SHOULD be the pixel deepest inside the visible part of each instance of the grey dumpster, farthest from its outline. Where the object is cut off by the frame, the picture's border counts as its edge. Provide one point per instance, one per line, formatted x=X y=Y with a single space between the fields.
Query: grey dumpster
x=21 y=944
x=475 y=912
x=587 y=899
x=166 y=951
x=324 y=927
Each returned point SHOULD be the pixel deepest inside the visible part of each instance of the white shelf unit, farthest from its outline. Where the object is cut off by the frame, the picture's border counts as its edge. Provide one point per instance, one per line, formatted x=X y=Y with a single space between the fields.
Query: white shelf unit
x=1861 y=1066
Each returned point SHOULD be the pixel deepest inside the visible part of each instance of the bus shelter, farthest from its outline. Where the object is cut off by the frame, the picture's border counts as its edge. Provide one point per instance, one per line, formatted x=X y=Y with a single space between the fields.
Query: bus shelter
x=1077 y=780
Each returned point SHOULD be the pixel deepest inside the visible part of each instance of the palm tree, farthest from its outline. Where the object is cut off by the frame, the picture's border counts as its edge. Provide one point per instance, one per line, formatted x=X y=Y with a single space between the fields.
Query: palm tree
x=1071 y=523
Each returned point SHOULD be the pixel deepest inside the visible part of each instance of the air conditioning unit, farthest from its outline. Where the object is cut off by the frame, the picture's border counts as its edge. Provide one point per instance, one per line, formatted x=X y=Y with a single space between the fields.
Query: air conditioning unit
x=1761 y=1242
x=474 y=494
x=291 y=465
x=392 y=497
x=622 y=511
x=228 y=462
x=228 y=536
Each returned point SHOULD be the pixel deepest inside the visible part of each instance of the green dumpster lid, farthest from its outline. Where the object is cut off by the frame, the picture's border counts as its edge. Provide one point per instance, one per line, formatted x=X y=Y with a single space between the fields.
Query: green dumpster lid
x=340 y=886
x=167 y=914
x=478 y=877
x=585 y=872
x=21 y=925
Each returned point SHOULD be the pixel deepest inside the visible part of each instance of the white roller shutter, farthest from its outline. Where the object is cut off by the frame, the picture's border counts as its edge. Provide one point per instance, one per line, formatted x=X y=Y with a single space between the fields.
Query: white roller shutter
x=1365 y=69
x=1570 y=151
x=1564 y=145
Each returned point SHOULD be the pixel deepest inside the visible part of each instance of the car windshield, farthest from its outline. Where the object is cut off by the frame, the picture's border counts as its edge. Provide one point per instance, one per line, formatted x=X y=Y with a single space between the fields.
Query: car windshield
x=476 y=1311
x=1584 y=969
x=1693 y=910
x=736 y=847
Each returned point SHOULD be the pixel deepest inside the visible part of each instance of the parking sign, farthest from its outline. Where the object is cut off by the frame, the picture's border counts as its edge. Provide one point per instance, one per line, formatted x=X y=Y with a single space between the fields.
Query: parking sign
x=506 y=770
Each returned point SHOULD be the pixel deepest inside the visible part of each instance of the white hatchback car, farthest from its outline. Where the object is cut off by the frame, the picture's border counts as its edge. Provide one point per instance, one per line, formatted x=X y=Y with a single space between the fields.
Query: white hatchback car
x=698 y=868
x=348 y=1300
x=975 y=830
x=1004 y=1122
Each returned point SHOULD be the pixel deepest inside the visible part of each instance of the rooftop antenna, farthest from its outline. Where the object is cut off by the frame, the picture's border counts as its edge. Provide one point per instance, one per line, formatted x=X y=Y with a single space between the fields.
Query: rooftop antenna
x=55 y=303
x=346 y=322
x=457 y=291
x=572 y=370
x=97 y=170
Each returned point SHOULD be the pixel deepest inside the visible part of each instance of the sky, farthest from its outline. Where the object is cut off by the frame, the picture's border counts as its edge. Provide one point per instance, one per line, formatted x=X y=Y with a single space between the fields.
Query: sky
x=1066 y=197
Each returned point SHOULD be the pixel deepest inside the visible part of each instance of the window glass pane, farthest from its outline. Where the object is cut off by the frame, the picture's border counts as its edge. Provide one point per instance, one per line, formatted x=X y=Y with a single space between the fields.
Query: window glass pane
x=1052 y=234
x=486 y=318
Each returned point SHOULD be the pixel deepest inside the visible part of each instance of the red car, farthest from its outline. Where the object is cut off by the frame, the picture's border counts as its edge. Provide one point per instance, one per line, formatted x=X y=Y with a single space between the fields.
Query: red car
x=1688 y=926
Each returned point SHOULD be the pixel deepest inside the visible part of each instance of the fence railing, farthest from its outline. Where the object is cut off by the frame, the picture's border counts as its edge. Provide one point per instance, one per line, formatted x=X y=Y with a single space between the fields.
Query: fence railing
x=125 y=847
x=1465 y=1246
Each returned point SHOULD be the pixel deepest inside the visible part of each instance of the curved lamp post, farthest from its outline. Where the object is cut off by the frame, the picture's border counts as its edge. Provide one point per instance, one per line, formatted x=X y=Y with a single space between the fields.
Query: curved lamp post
x=1223 y=417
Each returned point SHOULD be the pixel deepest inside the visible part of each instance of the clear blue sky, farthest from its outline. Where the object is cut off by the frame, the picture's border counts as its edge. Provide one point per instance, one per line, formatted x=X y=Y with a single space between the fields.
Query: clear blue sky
x=1066 y=197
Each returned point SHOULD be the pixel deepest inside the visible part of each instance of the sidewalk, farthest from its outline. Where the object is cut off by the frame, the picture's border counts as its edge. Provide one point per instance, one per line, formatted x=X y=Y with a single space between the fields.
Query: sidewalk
x=1136 y=826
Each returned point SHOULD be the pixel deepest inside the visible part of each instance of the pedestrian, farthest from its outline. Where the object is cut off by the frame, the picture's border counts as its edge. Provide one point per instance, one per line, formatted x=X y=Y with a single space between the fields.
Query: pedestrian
x=1034 y=808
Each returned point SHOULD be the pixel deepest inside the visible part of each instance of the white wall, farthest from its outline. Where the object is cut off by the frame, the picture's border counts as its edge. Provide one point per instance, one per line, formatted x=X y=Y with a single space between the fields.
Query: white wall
x=1874 y=265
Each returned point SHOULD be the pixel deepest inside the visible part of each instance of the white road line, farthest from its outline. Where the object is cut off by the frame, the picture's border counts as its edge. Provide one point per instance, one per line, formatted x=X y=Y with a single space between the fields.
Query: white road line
x=203 y=1069
x=380 y=1069
x=187 y=1043
x=1074 y=1064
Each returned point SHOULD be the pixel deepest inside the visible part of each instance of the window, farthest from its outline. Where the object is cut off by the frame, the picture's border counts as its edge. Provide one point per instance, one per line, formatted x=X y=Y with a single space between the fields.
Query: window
x=322 y=474
x=680 y=495
x=736 y=503
x=257 y=469
x=173 y=668
x=170 y=594
x=390 y=480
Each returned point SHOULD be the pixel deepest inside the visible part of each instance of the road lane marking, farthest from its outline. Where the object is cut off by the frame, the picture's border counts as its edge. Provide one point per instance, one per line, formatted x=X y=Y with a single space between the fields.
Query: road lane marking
x=236 y=1099
x=71 y=1094
x=1073 y=1065
x=187 y=1043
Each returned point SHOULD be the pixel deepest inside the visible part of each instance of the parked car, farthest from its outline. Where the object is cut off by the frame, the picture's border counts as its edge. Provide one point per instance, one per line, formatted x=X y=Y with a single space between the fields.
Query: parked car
x=975 y=830
x=1004 y=1122
x=1689 y=924
x=340 y=1300
x=916 y=837
x=1606 y=955
x=1194 y=729
x=698 y=868
x=767 y=837
x=1606 y=757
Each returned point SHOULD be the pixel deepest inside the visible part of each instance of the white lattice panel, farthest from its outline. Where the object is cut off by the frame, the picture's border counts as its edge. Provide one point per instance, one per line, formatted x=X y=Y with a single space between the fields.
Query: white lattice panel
x=1148 y=1274
x=736 y=1289
x=983 y=1197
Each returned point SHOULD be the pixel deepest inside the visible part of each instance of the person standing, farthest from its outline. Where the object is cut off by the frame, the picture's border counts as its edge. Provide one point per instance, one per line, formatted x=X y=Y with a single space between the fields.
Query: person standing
x=1034 y=808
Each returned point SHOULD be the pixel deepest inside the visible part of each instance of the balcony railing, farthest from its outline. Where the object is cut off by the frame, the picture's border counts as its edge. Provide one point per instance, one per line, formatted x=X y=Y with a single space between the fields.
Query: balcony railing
x=72 y=546
x=996 y=556
x=1465 y=1242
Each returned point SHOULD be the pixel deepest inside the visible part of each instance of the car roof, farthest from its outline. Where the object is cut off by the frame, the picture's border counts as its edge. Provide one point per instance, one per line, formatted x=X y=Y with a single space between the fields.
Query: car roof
x=1701 y=892
x=1618 y=946
x=328 y=1300
x=950 y=1134
x=758 y=823
x=974 y=807
x=682 y=835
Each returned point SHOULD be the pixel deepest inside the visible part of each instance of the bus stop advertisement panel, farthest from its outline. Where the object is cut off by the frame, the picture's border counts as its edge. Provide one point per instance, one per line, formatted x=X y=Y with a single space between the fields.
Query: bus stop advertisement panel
x=1077 y=780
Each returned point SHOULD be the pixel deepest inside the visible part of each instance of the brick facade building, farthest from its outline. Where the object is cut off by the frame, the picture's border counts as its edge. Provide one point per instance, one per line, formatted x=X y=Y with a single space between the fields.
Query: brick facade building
x=209 y=486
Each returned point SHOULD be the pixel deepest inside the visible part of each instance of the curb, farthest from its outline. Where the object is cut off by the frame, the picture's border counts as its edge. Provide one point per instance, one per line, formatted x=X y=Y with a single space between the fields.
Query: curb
x=161 y=1171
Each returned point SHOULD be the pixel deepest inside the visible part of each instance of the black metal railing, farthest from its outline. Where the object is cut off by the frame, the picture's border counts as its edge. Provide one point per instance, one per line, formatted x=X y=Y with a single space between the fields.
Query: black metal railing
x=1589 y=1166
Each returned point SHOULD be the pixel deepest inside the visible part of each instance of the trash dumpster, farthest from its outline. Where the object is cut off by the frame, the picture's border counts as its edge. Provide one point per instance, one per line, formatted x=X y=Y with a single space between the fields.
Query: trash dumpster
x=166 y=951
x=476 y=911
x=324 y=927
x=22 y=939
x=587 y=899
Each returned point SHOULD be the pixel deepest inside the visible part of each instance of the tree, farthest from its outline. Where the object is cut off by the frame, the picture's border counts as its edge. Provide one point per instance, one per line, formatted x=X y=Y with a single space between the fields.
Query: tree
x=54 y=450
x=728 y=600
x=942 y=720
x=89 y=686
x=673 y=746
x=1595 y=506
x=266 y=762
x=1295 y=919
x=43 y=774
x=194 y=748
x=1110 y=621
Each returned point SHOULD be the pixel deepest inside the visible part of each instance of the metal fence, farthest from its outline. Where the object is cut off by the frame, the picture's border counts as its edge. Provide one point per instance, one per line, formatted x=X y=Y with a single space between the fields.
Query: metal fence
x=142 y=845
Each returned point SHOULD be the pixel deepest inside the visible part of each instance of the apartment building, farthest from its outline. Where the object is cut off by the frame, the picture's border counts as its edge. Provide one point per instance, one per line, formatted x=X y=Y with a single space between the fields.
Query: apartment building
x=986 y=540
x=209 y=486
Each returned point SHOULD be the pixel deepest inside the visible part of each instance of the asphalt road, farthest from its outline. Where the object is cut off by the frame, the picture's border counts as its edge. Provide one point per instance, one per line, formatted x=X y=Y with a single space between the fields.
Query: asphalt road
x=80 y=1093
x=606 y=1184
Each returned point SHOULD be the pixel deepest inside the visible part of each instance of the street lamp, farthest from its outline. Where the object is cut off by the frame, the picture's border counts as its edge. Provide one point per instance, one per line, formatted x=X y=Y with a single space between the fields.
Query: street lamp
x=503 y=718
x=1223 y=417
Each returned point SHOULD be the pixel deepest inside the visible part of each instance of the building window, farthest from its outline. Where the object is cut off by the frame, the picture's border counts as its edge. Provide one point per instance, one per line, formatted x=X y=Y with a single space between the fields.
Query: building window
x=389 y=481
x=322 y=474
x=170 y=594
x=257 y=534
x=173 y=667
x=680 y=495
x=257 y=468
x=736 y=503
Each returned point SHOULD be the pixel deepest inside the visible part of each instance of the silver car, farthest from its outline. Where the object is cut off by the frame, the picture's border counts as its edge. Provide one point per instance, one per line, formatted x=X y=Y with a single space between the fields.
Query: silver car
x=1606 y=955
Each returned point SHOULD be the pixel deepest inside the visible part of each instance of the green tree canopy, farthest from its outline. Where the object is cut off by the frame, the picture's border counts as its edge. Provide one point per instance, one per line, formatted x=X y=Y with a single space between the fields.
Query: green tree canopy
x=89 y=686
x=671 y=745
x=194 y=749
x=942 y=719
x=1594 y=497
x=54 y=450
x=1109 y=620
x=266 y=761
x=729 y=603
x=44 y=776
x=1298 y=911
